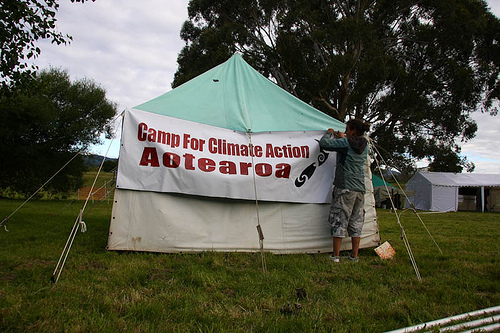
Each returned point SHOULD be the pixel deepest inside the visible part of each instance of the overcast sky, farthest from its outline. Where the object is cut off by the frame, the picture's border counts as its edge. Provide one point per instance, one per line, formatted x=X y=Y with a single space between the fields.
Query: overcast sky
x=130 y=48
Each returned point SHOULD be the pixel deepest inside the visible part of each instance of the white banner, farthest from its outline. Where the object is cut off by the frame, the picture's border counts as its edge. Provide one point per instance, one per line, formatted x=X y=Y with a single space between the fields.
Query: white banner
x=165 y=154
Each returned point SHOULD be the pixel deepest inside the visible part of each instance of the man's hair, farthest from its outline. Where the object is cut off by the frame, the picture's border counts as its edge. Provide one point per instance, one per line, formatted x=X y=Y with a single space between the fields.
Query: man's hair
x=359 y=125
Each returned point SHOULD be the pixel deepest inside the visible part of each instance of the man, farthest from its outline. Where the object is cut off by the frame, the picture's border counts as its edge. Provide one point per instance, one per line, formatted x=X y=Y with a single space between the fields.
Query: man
x=347 y=207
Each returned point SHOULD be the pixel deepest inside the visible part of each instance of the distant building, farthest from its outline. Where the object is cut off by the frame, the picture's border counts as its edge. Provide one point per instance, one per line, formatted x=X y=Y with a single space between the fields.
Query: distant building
x=446 y=191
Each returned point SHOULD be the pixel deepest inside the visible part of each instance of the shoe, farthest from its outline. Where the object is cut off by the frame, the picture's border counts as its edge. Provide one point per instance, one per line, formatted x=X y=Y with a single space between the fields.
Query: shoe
x=335 y=259
x=353 y=259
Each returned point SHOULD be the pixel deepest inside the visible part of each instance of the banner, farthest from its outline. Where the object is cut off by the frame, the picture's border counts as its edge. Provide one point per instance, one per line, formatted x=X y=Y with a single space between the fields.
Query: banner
x=165 y=154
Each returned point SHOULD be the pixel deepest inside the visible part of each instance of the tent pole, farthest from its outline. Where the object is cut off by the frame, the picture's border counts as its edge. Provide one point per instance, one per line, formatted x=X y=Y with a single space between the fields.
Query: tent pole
x=482 y=199
x=406 y=242
x=259 y=228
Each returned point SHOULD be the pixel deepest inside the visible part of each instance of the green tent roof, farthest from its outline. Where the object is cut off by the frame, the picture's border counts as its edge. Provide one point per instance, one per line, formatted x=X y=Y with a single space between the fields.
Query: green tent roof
x=235 y=96
x=377 y=181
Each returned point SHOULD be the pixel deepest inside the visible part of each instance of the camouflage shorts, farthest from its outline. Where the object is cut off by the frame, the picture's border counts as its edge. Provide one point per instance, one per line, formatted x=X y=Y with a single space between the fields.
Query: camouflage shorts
x=347 y=213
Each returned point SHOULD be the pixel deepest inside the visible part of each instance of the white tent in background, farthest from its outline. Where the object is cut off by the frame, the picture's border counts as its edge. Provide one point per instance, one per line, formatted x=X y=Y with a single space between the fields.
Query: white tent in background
x=202 y=166
x=446 y=191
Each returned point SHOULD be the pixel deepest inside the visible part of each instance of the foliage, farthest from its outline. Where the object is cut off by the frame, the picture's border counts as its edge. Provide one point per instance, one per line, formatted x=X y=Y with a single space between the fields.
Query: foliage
x=415 y=69
x=103 y=291
x=23 y=23
x=449 y=162
x=44 y=122
x=109 y=165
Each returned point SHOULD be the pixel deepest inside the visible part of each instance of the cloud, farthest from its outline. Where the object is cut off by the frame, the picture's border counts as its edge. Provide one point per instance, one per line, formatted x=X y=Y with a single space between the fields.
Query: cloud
x=129 y=48
x=483 y=149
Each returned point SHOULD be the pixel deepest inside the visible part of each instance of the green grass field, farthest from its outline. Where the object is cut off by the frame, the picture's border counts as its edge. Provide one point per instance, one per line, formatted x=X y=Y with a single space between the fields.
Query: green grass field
x=101 y=291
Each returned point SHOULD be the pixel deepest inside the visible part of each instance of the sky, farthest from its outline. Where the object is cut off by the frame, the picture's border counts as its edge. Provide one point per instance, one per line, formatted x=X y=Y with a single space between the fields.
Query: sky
x=130 y=49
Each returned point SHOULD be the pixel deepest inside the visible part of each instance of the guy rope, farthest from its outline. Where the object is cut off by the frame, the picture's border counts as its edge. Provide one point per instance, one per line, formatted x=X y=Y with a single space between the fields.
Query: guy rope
x=4 y=221
x=375 y=154
x=79 y=224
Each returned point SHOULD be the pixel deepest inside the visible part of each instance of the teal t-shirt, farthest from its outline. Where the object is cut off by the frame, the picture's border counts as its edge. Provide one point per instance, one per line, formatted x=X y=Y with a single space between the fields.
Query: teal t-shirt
x=352 y=153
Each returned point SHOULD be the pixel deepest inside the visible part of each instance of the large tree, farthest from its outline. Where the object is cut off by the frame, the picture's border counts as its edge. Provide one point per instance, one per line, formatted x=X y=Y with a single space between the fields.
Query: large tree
x=414 y=69
x=44 y=122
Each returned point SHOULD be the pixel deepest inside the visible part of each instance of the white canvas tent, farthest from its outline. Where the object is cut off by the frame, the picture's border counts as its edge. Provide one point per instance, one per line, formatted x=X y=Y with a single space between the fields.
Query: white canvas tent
x=180 y=190
x=445 y=191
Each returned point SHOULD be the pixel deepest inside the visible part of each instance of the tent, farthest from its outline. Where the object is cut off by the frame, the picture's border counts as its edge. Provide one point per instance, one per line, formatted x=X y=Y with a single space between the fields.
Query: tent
x=227 y=162
x=446 y=191
x=384 y=192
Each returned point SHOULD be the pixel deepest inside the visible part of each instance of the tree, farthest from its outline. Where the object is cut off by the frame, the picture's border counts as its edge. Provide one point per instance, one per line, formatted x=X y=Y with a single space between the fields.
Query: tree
x=414 y=69
x=449 y=162
x=109 y=165
x=22 y=23
x=43 y=123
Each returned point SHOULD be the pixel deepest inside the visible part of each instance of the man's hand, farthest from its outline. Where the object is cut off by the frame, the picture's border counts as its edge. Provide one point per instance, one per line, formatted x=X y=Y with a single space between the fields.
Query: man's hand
x=336 y=134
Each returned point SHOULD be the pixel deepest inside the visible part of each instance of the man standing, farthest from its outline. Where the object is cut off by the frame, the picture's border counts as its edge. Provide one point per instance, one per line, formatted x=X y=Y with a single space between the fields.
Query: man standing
x=347 y=208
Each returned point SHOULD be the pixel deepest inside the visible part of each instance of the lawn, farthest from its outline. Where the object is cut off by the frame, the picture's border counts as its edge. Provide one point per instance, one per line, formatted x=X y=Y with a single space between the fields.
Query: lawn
x=104 y=291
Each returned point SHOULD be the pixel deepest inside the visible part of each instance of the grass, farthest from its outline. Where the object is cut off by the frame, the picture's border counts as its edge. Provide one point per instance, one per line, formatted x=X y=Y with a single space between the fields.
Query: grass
x=89 y=177
x=101 y=291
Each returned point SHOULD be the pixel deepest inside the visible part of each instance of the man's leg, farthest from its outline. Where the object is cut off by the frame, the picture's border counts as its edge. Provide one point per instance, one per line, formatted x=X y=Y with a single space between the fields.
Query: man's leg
x=337 y=242
x=340 y=210
x=356 y=222
x=355 y=246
